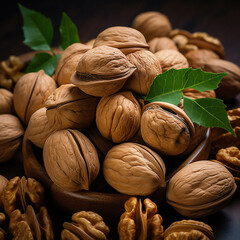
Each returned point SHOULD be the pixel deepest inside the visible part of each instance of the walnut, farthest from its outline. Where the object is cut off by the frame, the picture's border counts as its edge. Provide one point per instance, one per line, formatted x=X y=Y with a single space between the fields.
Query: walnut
x=3 y=184
x=152 y=24
x=166 y=128
x=161 y=43
x=148 y=67
x=30 y=93
x=102 y=71
x=31 y=225
x=6 y=102
x=85 y=225
x=2 y=231
x=194 y=94
x=138 y=224
x=229 y=87
x=134 y=169
x=19 y=193
x=68 y=62
x=118 y=116
x=70 y=159
x=90 y=42
x=125 y=39
x=200 y=189
x=169 y=58
x=11 y=132
x=189 y=229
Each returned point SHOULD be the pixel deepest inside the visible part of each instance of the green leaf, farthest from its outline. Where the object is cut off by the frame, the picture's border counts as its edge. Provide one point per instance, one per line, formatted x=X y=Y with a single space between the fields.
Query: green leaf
x=208 y=112
x=68 y=32
x=169 y=85
x=38 y=29
x=43 y=61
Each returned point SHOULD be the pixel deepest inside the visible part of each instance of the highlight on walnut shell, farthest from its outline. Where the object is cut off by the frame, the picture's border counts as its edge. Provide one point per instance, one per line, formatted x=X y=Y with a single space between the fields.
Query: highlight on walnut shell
x=166 y=128
x=102 y=71
x=118 y=116
x=134 y=169
x=200 y=189
x=70 y=160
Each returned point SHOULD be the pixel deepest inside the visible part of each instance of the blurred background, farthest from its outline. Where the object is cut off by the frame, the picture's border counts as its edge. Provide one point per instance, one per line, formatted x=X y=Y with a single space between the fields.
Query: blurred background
x=220 y=19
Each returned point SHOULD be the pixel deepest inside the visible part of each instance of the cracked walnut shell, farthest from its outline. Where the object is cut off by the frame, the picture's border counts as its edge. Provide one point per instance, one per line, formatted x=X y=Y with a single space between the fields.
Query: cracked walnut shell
x=85 y=225
x=134 y=169
x=118 y=116
x=102 y=71
x=70 y=159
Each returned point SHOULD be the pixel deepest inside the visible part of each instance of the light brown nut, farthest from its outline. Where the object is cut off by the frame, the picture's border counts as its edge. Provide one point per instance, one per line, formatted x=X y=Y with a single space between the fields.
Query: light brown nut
x=118 y=116
x=194 y=94
x=68 y=62
x=152 y=24
x=6 y=102
x=31 y=225
x=69 y=107
x=19 y=193
x=189 y=229
x=3 y=184
x=229 y=86
x=169 y=58
x=2 y=231
x=102 y=71
x=166 y=128
x=85 y=225
x=134 y=169
x=200 y=189
x=11 y=132
x=148 y=67
x=70 y=159
x=138 y=224
x=30 y=93
x=125 y=39
x=90 y=42
x=161 y=43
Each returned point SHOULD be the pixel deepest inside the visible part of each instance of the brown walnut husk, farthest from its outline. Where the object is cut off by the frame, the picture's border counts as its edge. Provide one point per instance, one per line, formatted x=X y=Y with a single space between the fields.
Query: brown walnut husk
x=118 y=116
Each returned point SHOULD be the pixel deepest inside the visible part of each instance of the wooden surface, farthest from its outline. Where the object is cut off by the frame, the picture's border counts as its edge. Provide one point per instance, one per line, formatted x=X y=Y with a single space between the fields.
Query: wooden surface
x=220 y=19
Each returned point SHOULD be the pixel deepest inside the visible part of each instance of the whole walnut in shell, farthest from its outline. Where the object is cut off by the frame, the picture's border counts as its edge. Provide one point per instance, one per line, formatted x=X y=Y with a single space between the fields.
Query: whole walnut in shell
x=11 y=132
x=68 y=62
x=169 y=58
x=69 y=107
x=102 y=71
x=125 y=39
x=166 y=128
x=148 y=67
x=70 y=159
x=134 y=169
x=30 y=93
x=118 y=116
x=6 y=102
x=152 y=24
x=161 y=43
x=200 y=189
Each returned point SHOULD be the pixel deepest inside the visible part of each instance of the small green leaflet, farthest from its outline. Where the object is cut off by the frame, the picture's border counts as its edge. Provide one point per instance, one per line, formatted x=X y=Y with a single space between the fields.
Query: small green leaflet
x=169 y=85
x=68 y=32
x=43 y=61
x=38 y=29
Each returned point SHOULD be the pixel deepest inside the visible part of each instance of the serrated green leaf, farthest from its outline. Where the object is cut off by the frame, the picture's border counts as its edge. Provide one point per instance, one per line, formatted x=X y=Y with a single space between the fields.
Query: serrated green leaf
x=38 y=29
x=43 y=61
x=68 y=32
x=207 y=112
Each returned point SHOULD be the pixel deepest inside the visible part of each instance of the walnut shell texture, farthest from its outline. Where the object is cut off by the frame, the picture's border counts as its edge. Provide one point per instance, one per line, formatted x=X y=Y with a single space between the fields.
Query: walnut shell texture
x=161 y=43
x=6 y=102
x=134 y=169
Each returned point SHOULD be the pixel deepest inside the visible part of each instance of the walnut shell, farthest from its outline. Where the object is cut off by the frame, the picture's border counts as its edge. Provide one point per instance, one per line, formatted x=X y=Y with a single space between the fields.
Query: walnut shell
x=68 y=62
x=102 y=71
x=125 y=39
x=70 y=159
x=152 y=24
x=6 y=102
x=30 y=93
x=118 y=116
x=69 y=107
x=161 y=43
x=200 y=189
x=134 y=169
x=11 y=131
x=166 y=128
x=148 y=67
x=194 y=94
x=169 y=58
